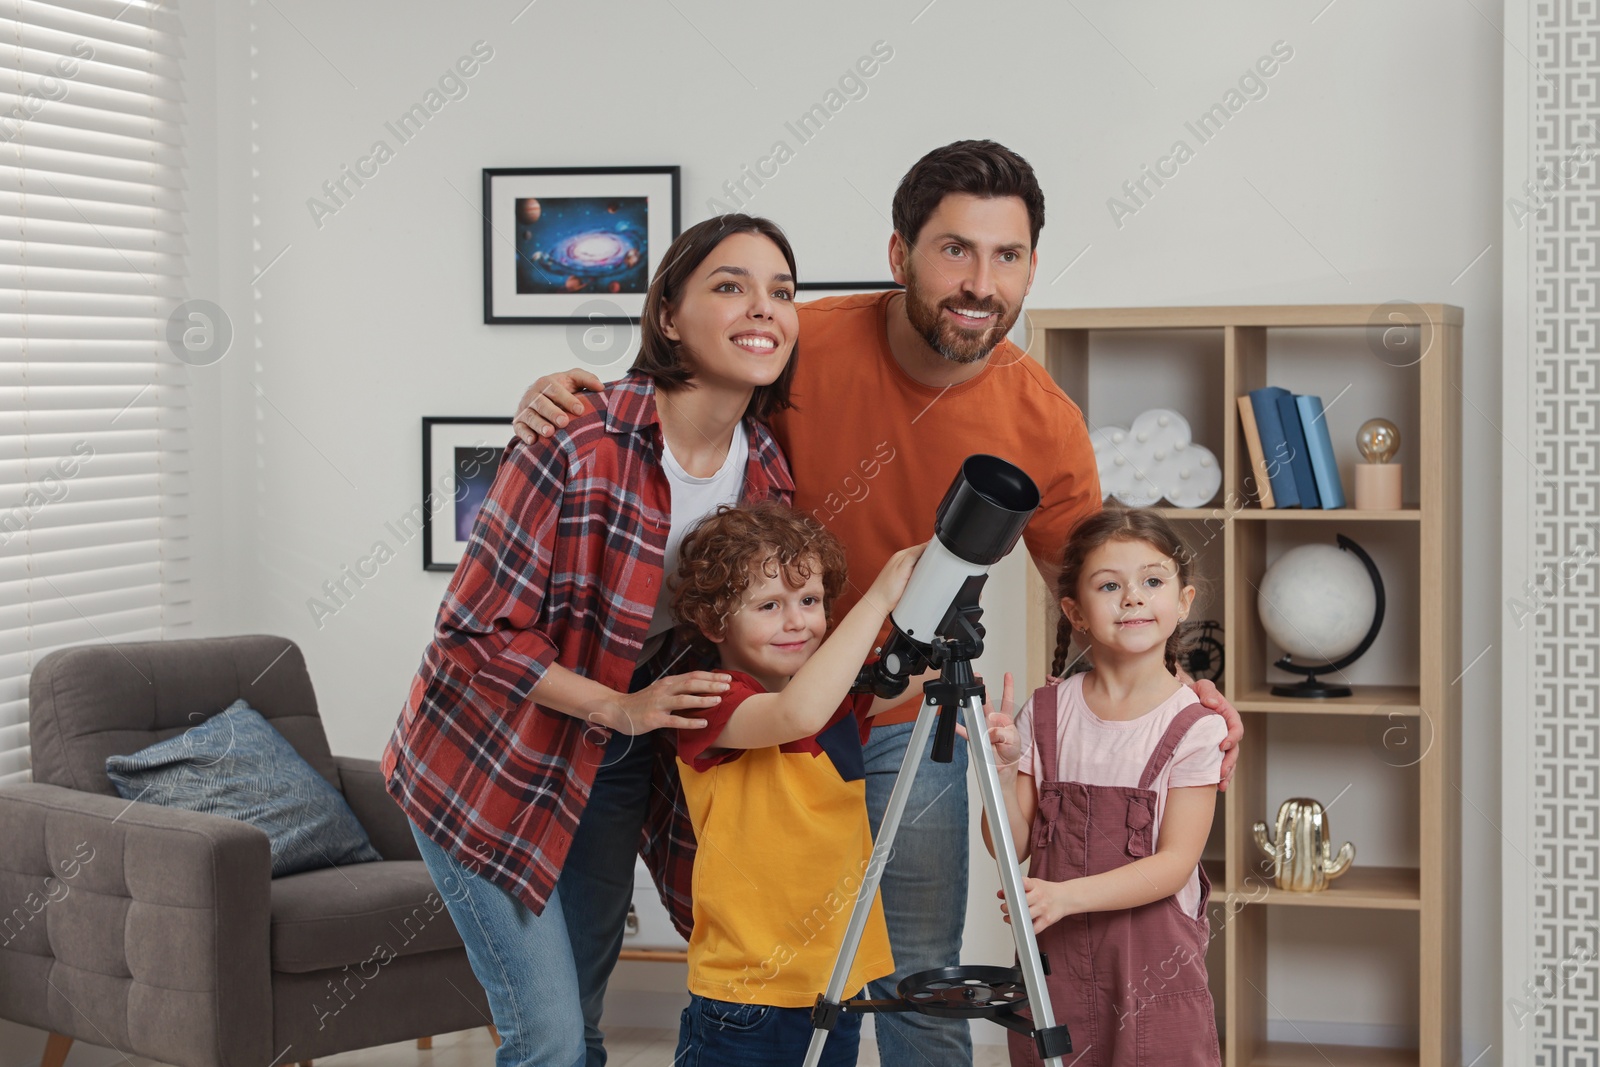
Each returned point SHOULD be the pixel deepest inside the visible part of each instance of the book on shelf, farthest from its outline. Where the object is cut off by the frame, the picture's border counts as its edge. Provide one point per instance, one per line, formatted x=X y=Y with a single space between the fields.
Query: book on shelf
x=1291 y=450
x=1305 y=482
x=1319 y=444
x=1258 y=459
x=1274 y=446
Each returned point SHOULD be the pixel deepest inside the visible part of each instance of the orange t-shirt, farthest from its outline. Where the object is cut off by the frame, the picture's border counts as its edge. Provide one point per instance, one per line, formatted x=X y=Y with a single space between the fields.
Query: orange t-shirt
x=863 y=430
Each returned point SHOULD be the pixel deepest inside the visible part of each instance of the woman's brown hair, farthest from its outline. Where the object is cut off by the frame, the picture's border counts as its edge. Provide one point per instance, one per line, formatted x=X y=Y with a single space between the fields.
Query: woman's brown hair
x=717 y=562
x=659 y=355
x=1120 y=524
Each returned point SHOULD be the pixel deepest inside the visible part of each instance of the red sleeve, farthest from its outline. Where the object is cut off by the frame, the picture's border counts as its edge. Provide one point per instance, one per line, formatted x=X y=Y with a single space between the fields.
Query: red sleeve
x=693 y=745
x=859 y=704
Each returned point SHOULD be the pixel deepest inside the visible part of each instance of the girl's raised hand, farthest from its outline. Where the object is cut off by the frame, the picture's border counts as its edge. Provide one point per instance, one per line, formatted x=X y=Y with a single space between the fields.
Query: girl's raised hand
x=1003 y=733
x=1047 y=902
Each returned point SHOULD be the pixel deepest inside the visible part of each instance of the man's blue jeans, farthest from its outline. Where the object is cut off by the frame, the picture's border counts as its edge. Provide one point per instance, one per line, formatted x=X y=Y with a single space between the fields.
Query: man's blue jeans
x=924 y=893
x=546 y=975
x=596 y=883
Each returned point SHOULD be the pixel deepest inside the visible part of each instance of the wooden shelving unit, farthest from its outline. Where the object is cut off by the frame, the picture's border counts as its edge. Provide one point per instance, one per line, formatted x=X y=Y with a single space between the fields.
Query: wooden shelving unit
x=1430 y=529
x=1365 y=700
x=1360 y=887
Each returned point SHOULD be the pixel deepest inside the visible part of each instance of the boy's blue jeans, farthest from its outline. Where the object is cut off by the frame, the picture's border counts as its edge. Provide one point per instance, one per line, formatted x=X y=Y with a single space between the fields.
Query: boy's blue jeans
x=720 y=1033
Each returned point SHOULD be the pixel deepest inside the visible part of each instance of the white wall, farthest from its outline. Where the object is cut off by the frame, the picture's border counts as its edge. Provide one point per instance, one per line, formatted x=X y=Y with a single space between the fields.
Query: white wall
x=1369 y=172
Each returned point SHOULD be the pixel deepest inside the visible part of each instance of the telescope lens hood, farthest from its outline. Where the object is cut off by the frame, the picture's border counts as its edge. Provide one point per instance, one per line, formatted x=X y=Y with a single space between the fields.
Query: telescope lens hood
x=985 y=509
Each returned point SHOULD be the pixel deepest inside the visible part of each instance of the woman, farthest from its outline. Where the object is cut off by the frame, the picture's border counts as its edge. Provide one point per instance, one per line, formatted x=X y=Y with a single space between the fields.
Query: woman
x=517 y=758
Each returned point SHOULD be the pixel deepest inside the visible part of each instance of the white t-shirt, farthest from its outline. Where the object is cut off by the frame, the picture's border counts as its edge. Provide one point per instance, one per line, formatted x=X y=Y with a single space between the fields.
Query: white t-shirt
x=1095 y=751
x=692 y=500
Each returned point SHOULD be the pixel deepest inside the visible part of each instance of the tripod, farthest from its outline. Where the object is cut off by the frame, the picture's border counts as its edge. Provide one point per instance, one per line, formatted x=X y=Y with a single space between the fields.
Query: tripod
x=972 y=992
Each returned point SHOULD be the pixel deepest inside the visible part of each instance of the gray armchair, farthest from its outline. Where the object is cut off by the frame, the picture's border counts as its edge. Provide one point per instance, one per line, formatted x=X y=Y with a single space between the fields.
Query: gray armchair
x=160 y=932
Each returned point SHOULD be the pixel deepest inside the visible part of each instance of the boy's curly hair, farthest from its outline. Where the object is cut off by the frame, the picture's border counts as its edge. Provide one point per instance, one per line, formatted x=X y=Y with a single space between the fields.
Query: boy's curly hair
x=717 y=562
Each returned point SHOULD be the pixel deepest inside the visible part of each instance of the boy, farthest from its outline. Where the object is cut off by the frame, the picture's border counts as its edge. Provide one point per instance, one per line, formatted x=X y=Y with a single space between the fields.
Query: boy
x=775 y=784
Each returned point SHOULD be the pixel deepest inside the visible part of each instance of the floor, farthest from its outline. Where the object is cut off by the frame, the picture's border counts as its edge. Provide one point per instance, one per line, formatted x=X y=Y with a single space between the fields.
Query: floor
x=625 y=1048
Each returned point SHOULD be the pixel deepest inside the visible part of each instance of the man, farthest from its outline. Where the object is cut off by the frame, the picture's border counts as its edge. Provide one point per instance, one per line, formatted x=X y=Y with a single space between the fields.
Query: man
x=892 y=392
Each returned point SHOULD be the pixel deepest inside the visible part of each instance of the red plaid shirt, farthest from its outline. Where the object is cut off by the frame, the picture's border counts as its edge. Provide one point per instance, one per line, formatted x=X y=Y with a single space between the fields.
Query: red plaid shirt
x=563 y=566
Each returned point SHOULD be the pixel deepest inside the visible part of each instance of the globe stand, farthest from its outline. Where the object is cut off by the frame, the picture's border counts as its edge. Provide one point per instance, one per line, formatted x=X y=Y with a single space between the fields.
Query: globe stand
x=1310 y=688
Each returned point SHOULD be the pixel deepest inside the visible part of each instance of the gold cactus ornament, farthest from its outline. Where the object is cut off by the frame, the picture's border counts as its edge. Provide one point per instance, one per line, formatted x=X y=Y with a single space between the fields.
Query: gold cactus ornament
x=1302 y=860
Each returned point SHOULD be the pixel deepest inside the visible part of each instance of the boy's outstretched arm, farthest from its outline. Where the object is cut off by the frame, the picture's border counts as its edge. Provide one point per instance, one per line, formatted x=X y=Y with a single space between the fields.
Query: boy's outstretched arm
x=818 y=688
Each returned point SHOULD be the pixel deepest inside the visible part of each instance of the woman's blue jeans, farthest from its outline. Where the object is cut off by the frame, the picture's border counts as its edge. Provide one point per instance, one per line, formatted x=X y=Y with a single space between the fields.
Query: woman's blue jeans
x=522 y=960
x=545 y=975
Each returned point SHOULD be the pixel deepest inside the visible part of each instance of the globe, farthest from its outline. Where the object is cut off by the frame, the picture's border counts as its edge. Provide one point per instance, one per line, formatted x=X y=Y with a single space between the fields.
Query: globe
x=1317 y=602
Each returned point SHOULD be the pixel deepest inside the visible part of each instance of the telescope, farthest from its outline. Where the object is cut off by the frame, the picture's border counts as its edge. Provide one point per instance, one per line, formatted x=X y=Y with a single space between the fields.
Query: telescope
x=936 y=625
x=978 y=523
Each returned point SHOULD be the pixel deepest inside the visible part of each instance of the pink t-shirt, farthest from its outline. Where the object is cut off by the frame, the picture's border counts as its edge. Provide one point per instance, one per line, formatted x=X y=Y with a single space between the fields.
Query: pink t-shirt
x=1094 y=751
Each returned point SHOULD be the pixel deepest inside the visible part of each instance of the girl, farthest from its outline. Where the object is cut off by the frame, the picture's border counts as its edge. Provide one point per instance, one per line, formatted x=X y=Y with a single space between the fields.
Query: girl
x=515 y=757
x=1111 y=785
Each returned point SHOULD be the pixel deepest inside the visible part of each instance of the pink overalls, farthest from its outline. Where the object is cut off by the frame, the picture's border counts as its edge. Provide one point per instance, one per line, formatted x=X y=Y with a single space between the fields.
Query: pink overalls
x=1130 y=985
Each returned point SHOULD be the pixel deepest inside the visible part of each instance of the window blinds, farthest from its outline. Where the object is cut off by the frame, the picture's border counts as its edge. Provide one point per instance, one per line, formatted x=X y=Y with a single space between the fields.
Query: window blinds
x=93 y=437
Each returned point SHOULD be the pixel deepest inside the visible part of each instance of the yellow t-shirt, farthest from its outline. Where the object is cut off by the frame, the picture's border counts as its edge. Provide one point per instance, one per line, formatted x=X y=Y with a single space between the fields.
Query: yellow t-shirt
x=784 y=843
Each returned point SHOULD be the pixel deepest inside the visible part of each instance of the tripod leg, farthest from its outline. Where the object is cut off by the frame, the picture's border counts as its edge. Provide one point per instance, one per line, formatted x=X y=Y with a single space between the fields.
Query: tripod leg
x=882 y=846
x=1005 y=852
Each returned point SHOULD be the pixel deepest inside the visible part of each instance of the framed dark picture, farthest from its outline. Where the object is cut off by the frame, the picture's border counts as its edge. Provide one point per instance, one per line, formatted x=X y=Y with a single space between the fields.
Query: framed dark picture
x=574 y=245
x=817 y=290
x=460 y=457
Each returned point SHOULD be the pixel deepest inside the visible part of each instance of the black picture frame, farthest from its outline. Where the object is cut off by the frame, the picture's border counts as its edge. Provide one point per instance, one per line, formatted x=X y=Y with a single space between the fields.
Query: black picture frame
x=443 y=493
x=511 y=276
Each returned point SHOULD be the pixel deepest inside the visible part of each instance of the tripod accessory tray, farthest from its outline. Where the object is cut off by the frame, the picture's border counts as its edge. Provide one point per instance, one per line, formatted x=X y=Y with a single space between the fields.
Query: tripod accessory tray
x=973 y=991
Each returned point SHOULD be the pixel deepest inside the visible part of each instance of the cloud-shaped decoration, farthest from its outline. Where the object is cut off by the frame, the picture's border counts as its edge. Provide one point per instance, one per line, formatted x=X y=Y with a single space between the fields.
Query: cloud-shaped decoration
x=1156 y=457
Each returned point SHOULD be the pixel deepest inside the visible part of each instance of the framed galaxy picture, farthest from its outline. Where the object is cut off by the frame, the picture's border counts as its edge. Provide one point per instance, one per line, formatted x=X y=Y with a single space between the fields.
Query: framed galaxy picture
x=574 y=245
x=460 y=457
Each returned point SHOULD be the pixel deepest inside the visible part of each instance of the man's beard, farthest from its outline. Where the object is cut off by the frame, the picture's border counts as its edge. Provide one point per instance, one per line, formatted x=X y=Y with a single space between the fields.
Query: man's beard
x=948 y=339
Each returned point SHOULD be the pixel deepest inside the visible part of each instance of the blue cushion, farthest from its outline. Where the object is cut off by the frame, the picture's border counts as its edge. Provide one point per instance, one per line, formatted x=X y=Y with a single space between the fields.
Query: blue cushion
x=236 y=764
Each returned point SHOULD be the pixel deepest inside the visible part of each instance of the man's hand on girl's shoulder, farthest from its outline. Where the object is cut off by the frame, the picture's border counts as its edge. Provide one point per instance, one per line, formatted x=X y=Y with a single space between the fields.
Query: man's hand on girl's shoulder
x=1208 y=693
